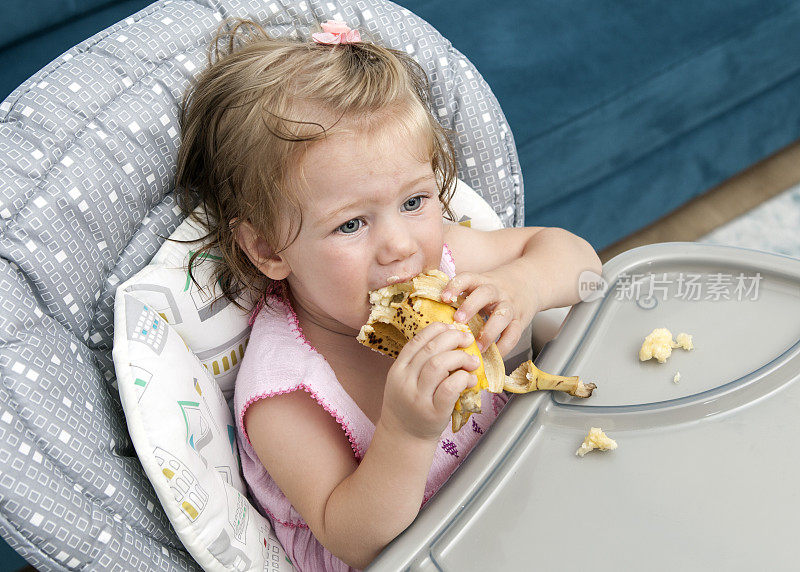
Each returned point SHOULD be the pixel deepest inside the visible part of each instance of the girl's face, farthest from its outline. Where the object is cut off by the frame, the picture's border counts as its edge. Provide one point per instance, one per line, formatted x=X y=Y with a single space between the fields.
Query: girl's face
x=371 y=217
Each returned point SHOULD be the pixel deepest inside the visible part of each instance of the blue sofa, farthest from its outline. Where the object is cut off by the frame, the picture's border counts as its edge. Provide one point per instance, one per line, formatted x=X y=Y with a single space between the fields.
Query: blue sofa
x=622 y=111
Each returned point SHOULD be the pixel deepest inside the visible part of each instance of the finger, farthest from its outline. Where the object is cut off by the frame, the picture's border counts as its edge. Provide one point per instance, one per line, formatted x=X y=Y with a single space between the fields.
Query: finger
x=444 y=339
x=482 y=296
x=423 y=337
x=510 y=337
x=498 y=321
x=439 y=358
x=441 y=365
x=446 y=393
x=458 y=285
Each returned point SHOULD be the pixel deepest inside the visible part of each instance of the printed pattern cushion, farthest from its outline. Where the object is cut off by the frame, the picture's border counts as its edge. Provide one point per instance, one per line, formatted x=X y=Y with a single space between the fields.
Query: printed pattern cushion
x=87 y=159
x=176 y=357
x=216 y=331
x=185 y=438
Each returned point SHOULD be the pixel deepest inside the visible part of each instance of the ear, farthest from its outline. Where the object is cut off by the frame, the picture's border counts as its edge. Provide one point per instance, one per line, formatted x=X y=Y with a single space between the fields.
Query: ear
x=272 y=265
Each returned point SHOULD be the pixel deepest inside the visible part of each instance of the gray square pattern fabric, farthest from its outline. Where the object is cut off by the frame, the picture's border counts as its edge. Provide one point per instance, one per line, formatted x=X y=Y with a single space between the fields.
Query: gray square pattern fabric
x=87 y=156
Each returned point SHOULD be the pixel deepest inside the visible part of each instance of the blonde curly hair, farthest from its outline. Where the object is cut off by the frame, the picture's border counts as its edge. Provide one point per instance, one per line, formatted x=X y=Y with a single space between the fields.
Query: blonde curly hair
x=249 y=117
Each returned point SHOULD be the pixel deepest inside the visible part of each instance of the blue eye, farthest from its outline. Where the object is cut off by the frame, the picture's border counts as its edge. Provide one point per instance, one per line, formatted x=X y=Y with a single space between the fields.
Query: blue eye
x=413 y=203
x=350 y=226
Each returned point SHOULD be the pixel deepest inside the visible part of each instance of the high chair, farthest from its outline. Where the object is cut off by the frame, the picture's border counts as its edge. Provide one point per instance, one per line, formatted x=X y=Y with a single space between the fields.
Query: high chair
x=88 y=152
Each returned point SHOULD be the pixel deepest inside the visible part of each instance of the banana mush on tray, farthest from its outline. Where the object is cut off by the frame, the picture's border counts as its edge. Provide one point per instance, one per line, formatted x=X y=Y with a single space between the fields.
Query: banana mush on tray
x=401 y=310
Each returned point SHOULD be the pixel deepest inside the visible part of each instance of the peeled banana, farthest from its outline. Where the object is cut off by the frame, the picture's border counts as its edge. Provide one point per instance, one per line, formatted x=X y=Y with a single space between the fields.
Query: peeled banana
x=400 y=311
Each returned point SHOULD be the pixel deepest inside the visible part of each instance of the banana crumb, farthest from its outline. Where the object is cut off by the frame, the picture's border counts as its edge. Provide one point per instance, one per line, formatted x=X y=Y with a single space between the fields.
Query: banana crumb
x=685 y=341
x=596 y=439
x=659 y=344
x=677 y=377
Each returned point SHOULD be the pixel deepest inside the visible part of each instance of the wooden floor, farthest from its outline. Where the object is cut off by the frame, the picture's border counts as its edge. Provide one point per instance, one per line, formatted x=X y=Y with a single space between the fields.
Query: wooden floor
x=721 y=204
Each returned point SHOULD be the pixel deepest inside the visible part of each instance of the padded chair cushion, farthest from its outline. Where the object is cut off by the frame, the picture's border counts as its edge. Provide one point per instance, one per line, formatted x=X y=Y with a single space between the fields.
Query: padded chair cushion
x=87 y=157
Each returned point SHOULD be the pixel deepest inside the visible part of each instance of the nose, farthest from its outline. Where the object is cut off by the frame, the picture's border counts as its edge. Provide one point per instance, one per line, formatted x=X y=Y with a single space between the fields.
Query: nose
x=397 y=242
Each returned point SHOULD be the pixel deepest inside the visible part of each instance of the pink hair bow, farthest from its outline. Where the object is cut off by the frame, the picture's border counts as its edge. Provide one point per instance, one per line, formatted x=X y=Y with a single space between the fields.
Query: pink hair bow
x=336 y=32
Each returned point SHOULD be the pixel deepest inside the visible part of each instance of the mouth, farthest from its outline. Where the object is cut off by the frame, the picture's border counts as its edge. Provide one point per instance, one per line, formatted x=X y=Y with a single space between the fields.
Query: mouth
x=398 y=279
x=393 y=279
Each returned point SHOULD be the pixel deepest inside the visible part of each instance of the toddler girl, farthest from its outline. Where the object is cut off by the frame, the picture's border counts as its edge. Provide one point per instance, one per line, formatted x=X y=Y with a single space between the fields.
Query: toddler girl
x=324 y=175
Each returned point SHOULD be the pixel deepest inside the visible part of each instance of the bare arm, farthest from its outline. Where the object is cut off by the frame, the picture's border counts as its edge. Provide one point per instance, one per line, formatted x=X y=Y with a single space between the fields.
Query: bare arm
x=548 y=258
x=353 y=509
x=514 y=273
x=356 y=509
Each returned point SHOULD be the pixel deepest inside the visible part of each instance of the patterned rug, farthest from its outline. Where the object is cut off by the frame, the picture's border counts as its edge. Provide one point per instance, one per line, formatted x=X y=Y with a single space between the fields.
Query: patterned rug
x=773 y=226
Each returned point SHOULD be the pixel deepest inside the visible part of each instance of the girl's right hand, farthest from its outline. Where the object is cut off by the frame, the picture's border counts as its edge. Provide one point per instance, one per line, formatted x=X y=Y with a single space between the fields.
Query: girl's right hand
x=426 y=379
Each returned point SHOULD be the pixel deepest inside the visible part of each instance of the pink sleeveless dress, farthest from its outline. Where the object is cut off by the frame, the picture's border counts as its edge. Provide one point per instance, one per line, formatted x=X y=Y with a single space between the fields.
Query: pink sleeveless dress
x=279 y=360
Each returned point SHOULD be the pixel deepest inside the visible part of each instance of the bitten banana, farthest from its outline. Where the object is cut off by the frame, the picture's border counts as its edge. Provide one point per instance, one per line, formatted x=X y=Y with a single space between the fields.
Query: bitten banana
x=400 y=311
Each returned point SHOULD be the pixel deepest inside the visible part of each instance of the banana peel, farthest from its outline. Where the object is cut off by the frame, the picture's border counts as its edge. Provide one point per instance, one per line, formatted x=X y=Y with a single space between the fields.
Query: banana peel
x=527 y=377
x=399 y=311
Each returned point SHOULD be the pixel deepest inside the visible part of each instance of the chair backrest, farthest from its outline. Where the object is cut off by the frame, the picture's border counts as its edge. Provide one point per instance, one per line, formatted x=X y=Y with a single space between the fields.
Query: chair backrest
x=87 y=159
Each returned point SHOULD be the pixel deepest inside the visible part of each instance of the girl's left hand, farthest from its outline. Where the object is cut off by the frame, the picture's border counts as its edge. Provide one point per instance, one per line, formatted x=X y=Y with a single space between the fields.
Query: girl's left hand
x=509 y=305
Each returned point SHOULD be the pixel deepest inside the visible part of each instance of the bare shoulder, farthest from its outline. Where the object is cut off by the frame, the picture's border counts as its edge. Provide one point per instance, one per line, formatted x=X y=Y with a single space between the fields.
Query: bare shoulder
x=304 y=449
x=479 y=251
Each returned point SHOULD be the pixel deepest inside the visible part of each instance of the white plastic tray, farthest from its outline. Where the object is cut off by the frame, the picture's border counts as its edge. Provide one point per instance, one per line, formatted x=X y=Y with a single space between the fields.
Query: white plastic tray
x=706 y=473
